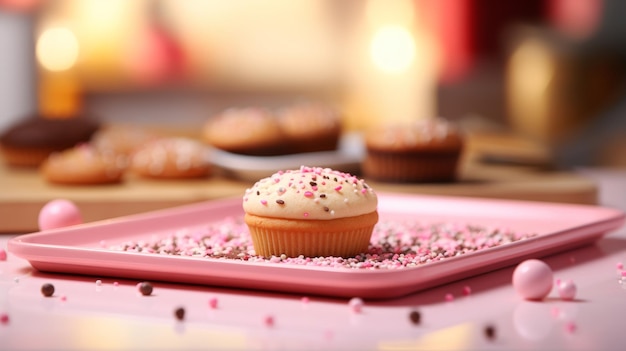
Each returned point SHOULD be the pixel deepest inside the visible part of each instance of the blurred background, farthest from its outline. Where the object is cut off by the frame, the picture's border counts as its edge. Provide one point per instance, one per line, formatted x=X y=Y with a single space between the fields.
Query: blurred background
x=550 y=72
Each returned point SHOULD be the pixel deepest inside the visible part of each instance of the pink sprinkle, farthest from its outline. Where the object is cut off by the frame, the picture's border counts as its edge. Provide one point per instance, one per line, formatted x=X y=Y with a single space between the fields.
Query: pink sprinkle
x=304 y=300
x=116 y=284
x=305 y=214
x=3 y=255
x=570 y=327
x=263 y=202
x=555 y=312
x=356 y=304
x=338 y=187
x=449 y=297
x=4 y=318
x=213 y=302
x=623 y=273
x=619 y=265
x=269 y=321
x=467 y=290
x=63 y=298
x=308 y=193
x=363 y=191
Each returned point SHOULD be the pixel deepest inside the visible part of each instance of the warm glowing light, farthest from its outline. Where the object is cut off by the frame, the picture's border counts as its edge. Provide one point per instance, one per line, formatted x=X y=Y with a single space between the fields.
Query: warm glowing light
x=57 y=49
x=393 y=49
x=534 y=67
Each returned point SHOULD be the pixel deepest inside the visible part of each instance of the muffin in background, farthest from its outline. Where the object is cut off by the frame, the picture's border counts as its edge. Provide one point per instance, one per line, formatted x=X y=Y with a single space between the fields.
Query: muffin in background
x=310 y=126
x=247 y=131
x=310 y=211
x=417 y=151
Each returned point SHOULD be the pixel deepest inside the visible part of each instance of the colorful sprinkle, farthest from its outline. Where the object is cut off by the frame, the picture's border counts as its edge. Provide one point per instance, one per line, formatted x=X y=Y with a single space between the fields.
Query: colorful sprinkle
x=179 y=313
x=268 y=321
x=356 y=304
x=466 y=290
x=47 y=289
x=570 y=327
x=145 y=288
x=490 y=332
x=393 y=244
x=3 y=254
x=4 y=318
x=213 y=302
x=415 y=317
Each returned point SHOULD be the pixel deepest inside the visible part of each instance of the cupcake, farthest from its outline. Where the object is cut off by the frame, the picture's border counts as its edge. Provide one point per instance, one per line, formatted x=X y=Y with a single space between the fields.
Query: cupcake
x=419 y=151
x=310 y=211
x=247 y=131
x=310 y=126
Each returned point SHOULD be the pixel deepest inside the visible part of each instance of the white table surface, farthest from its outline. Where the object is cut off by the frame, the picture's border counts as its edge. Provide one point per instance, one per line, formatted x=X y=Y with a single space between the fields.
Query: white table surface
x=83 y=315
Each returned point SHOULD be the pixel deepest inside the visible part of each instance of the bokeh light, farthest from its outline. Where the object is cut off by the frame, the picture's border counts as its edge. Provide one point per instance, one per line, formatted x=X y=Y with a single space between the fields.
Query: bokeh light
x=393 y=49
x=57 y=49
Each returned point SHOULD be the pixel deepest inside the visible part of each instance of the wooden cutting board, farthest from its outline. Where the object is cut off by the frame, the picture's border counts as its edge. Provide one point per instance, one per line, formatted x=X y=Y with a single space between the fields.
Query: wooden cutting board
x=23 y=192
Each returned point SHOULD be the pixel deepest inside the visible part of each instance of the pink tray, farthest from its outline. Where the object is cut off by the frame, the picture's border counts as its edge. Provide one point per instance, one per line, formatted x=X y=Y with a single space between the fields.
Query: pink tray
x=78 y=249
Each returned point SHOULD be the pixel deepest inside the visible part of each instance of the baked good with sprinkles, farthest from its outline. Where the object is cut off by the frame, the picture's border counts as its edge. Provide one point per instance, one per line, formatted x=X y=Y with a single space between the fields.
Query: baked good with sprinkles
x=171 y=158
x=310 y=126
x=419 y=151
x=310 y=211
x=248 y=131
x=82 y=165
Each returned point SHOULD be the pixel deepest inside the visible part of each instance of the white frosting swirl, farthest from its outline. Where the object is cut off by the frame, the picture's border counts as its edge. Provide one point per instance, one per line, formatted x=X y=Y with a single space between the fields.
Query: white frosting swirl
x=310 y=193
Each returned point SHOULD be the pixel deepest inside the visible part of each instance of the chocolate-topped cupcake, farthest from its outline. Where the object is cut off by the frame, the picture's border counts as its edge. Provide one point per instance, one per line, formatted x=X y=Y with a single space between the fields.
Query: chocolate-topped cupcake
x=29 y=142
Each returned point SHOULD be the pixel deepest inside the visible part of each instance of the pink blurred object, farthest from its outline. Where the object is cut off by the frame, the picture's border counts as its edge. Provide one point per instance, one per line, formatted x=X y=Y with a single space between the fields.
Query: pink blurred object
x=567 y=290
x=532 y=279
x=59 y=213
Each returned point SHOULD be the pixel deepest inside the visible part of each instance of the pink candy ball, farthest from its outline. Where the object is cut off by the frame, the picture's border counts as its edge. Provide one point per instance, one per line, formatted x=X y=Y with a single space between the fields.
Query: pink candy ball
x=532 y=279
x=59 y=213
x=567 y=289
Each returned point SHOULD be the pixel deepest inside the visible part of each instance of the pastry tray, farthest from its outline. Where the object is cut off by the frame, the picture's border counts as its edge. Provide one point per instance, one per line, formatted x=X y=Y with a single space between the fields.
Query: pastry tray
x=79 y=249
